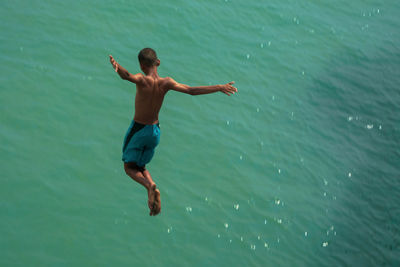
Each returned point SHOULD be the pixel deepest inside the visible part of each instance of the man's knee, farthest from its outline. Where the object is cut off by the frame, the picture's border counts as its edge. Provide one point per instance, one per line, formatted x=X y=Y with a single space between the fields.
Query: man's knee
x=132 y=166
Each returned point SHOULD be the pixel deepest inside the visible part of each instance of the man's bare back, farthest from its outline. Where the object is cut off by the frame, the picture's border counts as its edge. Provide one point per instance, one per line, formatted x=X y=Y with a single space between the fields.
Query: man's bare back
x=150 y=91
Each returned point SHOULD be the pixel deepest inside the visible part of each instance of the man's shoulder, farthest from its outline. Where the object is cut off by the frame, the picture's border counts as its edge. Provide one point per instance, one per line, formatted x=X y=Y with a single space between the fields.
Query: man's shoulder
x=168 y=80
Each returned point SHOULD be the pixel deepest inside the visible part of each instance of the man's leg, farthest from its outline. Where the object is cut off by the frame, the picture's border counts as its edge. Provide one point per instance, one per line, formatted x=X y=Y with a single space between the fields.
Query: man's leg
x=157 y=195
x=137 y=174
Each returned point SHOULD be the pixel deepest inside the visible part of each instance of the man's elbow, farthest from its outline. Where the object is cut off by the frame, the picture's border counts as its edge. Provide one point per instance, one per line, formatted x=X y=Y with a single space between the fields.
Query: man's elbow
x=123 y=77
x=191 y=91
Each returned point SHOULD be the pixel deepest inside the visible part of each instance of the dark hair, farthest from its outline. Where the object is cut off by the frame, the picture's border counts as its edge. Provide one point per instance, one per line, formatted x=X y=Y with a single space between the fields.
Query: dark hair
x=147 y=57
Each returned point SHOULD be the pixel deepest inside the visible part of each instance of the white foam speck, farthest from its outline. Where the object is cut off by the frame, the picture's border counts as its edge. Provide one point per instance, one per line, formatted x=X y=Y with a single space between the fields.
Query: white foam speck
x=305 y=234
x=349 y=174
x=325 y=244
x=226 y=225
x=227 y=122
x=370 y=126
x=253 y=247
x=279 y=170
x=380 y=127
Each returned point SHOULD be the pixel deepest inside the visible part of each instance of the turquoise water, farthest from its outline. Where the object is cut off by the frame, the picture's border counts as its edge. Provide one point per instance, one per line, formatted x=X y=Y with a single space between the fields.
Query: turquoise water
x=300 y=168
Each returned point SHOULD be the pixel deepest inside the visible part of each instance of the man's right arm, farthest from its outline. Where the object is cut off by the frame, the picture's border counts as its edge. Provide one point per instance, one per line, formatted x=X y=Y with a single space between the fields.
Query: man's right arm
x=227 y=89
x=123 y=73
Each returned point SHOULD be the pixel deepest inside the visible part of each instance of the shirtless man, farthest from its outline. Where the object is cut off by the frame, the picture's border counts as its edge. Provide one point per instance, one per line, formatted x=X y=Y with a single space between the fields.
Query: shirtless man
x=143 y=134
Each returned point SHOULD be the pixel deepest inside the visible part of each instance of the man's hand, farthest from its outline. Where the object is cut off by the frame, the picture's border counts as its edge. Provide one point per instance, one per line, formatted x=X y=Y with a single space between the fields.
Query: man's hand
x=228 y=89
x=114 y=63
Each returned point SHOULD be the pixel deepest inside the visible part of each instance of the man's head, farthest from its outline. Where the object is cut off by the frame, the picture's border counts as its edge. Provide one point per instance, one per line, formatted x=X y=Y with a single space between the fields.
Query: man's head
x=148 y=58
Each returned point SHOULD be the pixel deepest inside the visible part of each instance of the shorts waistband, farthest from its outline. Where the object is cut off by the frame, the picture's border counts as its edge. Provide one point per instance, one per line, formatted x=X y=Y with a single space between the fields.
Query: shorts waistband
x=141 y=125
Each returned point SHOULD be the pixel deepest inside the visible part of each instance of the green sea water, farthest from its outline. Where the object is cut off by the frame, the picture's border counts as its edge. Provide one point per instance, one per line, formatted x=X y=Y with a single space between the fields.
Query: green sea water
x=300 y=168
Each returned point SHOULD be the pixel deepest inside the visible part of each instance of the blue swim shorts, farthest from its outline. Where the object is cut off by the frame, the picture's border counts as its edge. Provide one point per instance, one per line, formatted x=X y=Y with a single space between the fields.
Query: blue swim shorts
x=140 y=142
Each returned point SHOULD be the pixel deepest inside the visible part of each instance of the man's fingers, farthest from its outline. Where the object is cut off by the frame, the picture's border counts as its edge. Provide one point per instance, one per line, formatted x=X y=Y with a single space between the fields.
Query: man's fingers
x=114 y=63
x=230 y=88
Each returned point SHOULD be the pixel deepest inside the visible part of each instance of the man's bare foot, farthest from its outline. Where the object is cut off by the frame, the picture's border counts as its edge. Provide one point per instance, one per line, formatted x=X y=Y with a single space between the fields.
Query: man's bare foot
x=151 y=195
x=157 y=202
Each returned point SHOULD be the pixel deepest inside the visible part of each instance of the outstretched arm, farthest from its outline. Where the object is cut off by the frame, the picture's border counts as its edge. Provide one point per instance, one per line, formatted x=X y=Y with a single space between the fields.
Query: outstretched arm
x=123 y=73
x=227 y=89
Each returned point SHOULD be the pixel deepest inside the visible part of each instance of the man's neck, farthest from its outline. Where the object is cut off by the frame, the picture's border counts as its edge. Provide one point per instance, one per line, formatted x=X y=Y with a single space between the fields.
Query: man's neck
x=152 y=72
